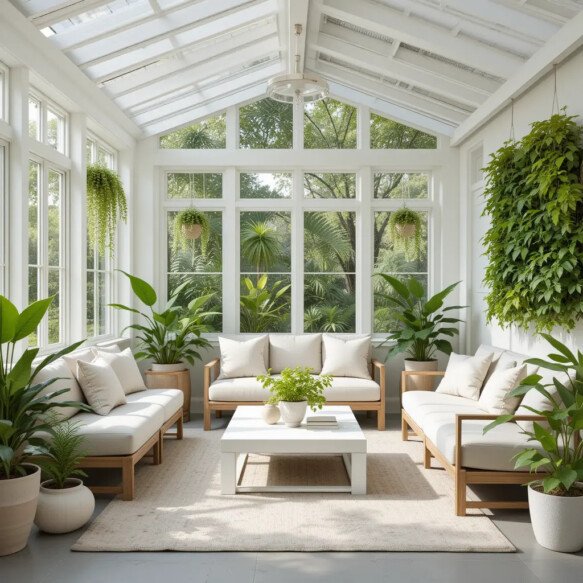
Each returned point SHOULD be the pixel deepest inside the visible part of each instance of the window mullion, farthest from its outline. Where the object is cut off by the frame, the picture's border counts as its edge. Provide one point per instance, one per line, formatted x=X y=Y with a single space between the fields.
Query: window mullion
x=364 y=252
x=297 y=251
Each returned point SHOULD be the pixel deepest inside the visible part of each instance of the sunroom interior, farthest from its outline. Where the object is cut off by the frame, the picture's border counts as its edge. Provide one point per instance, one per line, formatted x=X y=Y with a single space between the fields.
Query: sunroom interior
x=299 y=202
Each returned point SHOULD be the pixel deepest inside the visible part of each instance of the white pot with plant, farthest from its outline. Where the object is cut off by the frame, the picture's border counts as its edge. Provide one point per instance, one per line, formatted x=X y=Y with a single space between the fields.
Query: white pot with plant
x=65 y=503
x=169 y=338
x=555 y=499
x=25 y=408
x=294 y=390
x=422 y=327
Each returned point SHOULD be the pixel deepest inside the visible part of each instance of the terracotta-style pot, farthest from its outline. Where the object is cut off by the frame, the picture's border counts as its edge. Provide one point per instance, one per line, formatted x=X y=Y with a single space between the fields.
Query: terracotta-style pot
x=293 y=412
x=191 y=231
x=168 y=367
x=406 y=230
x=18 y=500
x=66 y=509
x=557 y=521
x=420 y=383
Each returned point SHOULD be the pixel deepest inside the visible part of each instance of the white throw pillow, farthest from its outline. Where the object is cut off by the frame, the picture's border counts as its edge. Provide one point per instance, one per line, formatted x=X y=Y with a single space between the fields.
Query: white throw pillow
x=538 y=401
x=494 y=397
x=100 y=385
x=243 y=358
x=346 y=357
x=291 y=350
x=84 y=354
x=464 y=375
x=112 y=349
x=125 y=368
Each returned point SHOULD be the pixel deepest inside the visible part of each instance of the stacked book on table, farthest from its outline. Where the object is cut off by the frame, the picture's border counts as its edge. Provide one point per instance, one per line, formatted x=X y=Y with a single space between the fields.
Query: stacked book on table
x=321 y=421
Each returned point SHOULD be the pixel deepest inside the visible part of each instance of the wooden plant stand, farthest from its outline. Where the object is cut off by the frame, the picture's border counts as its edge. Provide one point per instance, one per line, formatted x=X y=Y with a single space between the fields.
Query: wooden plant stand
x=172 y=380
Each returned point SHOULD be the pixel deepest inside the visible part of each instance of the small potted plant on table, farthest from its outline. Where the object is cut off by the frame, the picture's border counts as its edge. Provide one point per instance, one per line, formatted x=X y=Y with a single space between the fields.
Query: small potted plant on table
x=294 y=391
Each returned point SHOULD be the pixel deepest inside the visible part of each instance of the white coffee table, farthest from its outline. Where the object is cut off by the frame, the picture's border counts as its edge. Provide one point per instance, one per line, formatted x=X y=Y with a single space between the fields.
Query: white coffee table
x=248 y=433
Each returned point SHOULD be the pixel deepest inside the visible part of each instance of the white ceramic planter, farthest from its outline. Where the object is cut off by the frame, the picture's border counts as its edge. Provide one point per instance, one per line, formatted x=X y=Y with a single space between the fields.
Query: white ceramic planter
x=18 y=500
x=64 y=510
x=557 y=521
x=420 y=383
x=168 y=367
x=293 y=412
x=271 y=414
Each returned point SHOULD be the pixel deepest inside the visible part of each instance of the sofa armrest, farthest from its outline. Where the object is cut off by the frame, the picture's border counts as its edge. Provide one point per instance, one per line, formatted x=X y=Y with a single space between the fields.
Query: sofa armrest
x=422 y=373
x=380 y=368
x=210 y=372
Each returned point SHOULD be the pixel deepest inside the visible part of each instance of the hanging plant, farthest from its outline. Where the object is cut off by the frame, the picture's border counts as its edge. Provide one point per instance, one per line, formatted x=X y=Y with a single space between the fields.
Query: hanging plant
x=405 y=232
x=106 y=204
x=534 y=245
x=190 y=224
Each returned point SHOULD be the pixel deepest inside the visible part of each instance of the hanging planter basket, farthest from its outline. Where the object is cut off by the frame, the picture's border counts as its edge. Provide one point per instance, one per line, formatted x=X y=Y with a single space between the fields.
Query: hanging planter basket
x=190 y=225
x=191 y=232
x=406 y=230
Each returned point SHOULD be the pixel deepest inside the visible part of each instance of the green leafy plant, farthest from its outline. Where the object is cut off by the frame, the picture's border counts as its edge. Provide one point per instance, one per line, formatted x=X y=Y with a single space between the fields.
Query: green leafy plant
x=560 y=455
x=535 y=242
x=295 y=385
x=190 y=218
x=62 y=455
x=172 y=335
x=262 y=308
x=25 y=406
x=422 y=326
x=260 y=244
x=405 y=232
x=106 y=204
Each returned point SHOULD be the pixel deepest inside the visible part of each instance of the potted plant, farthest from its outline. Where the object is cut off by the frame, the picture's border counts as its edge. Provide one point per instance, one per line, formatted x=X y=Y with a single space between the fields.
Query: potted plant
x=405 y=232
x=422 y=327
x=190 y=224
x=106 y=204
x=25 y=407
x=555 y=499
x=295 y=390
x=169 y=338
x=65 y=503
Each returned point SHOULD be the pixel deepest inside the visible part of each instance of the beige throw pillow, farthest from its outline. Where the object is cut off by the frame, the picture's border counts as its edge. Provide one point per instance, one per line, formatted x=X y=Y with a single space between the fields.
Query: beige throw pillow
x=465 y=375
x=242 y=358
x=100 y=385
x=346 y=357
x=494 y=397
x=538 y=401
x=291 y=350
x=84 y=354
x=125 y=368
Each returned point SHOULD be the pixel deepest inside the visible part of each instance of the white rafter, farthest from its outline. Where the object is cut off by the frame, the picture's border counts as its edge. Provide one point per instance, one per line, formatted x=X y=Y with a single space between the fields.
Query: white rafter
x=47 y=12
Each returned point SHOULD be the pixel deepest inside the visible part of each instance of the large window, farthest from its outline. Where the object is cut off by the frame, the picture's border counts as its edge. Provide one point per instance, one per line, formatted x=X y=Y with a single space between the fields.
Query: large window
x=4 y=230
x=47 y=123
x=266 y=124
x=207 y=134
x=329 y=124
x=46 y=198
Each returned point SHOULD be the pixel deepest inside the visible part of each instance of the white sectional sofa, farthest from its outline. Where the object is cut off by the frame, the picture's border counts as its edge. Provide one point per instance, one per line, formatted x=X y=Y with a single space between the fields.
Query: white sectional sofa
x=363 y=389
x=125 y=435
x=451 y=428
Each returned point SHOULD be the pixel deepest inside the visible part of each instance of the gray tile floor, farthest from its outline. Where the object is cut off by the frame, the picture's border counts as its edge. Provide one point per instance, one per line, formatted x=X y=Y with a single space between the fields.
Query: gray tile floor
x=47 y=559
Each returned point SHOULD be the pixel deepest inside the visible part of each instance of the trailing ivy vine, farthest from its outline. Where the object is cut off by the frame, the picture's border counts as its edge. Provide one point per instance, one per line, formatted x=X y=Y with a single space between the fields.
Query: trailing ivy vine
x=106 y=204
x=534 y=245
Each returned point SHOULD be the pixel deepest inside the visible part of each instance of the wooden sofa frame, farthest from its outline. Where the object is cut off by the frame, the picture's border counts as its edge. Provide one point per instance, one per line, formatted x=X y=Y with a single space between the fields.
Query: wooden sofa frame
x=127 y=463
x=464 y=476
x=211 y=372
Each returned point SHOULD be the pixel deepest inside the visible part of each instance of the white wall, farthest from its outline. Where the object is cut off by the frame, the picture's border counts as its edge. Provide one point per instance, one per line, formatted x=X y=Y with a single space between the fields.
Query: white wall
x=534 y=105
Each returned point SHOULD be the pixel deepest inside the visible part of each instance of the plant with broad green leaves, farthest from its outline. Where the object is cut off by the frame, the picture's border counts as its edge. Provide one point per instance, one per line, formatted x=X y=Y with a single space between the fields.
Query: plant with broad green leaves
x=170 y=336
x=106 y=205
x=62 y=455
x=262 y=308
x=560 y=455
x=296 y=385
x=422 y=325
x=405 y=232
x=190 y=218
x=534 y=245
x=25 y=406
x=260 y=244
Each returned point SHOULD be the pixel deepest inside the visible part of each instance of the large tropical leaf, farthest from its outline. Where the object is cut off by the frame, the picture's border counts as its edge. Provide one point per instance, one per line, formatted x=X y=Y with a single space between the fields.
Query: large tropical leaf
x=142 y=289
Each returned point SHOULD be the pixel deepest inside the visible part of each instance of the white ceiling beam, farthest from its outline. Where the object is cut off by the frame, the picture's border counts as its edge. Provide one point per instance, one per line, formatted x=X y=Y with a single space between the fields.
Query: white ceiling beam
x=208 y=94
x=420 y=33
x=557 y=49
x=387 y=66
x=196 y=74
x=202 y=52
x=47 y=12
x=544 y=10
x=298 y=14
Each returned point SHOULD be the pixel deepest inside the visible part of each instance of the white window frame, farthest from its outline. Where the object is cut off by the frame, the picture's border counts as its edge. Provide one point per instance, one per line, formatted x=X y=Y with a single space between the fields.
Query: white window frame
x=4 y=233
x=4 y=92
x=45 y=105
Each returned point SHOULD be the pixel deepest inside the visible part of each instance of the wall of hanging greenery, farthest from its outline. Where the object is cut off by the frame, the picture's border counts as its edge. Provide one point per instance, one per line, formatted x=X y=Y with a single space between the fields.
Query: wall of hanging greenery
x=534 y=245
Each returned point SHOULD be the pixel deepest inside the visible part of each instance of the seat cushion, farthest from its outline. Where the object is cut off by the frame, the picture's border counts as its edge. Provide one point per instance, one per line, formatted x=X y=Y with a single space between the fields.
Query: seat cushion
x=291 y=350
x=171 y=400
x=123 y=431
x=249 y=389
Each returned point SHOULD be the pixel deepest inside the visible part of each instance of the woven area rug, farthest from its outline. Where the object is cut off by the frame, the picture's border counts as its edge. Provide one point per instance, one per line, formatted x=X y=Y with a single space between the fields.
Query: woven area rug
x=179 y=507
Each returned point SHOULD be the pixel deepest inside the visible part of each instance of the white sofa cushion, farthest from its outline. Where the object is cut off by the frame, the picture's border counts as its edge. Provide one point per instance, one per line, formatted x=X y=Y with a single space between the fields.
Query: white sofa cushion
x=171 y=400
x=100 y=385
x=84 y=354
x=538 y=401
x=494 y=397
x=291 y=350
x=60 y=369
x=250 y=389
x=465 y=375
x=125 y=368
x=123 y=431
x=245 y=337
x=243 y=358
x=346 y=357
